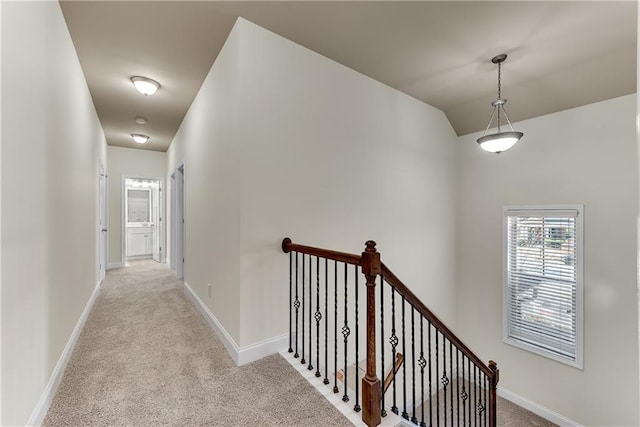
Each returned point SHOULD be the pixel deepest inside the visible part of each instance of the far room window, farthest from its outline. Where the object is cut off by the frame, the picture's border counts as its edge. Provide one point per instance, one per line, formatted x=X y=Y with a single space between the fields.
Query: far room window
x=543 y=281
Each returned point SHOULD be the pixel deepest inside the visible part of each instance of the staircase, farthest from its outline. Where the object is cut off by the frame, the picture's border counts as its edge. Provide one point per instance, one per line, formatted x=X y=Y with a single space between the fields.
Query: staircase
x=346 y=308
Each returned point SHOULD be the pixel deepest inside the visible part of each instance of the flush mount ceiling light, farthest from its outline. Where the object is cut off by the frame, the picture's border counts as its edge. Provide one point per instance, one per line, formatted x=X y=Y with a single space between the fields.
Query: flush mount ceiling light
x=141 y=120
x=499 y=141
x=145 y=85
x=139 y=138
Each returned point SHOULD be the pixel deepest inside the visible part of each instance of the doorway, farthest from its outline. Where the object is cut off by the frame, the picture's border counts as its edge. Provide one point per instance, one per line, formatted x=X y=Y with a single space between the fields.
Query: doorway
x=143 y=230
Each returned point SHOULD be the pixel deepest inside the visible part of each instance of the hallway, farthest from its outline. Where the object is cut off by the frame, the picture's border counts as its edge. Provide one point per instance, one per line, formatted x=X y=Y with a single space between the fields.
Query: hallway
x=147 y=357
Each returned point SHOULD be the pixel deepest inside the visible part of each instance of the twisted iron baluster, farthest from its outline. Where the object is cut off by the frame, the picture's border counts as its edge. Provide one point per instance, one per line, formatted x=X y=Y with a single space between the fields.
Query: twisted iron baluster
x=326 y=321
x=423 y=363
x=302 y=360
x=463 y=396
x=458 y=383
x=335 y=327
x=345 y=333
x=475 y=396
x=413 y=364
x=290 y=350
x=356 y=407
x=437 y=394
x=405 y=415
x=310 y=366
x=444 y=379
x=486 y=386
x=430 y=369
x=296 y=304
x=393 y=340
x=451 y=375
x=318 y=317
x=383 y=412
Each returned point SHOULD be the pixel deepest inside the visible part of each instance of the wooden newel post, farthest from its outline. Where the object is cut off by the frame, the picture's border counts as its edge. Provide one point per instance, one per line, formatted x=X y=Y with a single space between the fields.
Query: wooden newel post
x=493 y=387
x=371 y=386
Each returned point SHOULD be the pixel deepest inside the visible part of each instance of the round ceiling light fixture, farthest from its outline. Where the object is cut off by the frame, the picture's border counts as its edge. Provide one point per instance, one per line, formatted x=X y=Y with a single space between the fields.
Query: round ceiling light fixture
x=144 y=85
x=141 y=120
x=139 y=138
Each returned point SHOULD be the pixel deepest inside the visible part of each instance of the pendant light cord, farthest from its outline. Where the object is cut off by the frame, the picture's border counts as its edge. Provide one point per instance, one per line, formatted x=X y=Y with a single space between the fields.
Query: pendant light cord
x=499 y=91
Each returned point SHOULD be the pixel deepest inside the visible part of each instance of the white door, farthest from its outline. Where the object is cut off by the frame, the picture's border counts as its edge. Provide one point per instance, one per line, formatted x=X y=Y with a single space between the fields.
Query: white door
x=156 y=251
x=172 y=231
x=103 y=225
x=179 y=222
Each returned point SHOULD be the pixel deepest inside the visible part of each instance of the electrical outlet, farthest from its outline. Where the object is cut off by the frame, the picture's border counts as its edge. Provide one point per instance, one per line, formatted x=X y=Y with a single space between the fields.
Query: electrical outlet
x=209 y=290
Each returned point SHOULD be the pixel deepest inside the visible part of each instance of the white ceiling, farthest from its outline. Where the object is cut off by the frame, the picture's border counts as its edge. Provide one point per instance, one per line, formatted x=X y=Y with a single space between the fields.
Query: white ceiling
x=561 y=54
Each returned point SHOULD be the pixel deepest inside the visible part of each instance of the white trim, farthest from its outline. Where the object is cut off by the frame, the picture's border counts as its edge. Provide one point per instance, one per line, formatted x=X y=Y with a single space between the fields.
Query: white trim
x=251 y=353
x=537 y=409
x=42 y=407
x=240 y=355
x=113 y=265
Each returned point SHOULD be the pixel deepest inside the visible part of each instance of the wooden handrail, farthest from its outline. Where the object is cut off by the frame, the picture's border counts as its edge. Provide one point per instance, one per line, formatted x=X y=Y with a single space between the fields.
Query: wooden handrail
x=394 y=370
x=287 y=247
x=410 y=297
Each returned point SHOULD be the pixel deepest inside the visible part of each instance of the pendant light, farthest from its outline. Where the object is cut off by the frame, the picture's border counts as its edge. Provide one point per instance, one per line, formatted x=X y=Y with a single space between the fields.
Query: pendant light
x=499 y=141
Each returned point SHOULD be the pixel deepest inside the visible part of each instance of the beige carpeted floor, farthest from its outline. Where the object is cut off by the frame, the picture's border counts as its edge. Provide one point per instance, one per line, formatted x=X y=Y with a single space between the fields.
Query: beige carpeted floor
x=146 y=357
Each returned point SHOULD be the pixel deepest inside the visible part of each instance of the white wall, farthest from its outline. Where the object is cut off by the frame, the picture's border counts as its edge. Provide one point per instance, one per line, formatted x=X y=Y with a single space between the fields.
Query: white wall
x=128 y=162
x=584 y=156
x=51 y=145
x=281 y=141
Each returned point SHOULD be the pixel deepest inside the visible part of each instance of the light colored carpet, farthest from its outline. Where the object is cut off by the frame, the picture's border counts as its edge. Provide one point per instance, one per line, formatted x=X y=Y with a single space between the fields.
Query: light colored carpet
x=146 y=357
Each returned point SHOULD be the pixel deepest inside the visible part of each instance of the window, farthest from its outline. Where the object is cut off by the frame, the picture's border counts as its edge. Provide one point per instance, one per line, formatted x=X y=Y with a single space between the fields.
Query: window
x=543 y=281
x=138 y=205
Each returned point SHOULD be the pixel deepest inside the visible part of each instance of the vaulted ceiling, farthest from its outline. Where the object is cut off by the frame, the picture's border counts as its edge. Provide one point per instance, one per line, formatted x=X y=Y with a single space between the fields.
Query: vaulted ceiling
x=561 y=54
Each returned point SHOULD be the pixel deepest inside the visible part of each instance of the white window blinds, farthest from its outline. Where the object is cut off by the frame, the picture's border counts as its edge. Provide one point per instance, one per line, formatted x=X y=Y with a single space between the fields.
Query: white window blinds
x=543 y=290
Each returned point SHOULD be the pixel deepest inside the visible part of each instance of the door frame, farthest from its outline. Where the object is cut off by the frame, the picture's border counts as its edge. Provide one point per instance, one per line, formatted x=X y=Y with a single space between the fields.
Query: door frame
x=123 y=216
x=178 y=221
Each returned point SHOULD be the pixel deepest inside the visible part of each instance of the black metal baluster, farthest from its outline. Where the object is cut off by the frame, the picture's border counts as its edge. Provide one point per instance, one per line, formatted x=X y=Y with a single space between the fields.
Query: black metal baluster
x=393 y=340
x=438 y=389
x=463 y=396
x=469 y=375
x=413 y=364
x=296 y=304
x=290 y=350
x=302 y=360
x=356 y=407
x=345 y=334
x=318 y=317
x=310 y=366
x=444 y=379
x=430 y=369
x=405 y=415
x=486 y=403
x=475 y=397
x=383 y=411
x=458 y=383
x=422 y=362
x=326 y=321
x=451 y=377
x=335 y=327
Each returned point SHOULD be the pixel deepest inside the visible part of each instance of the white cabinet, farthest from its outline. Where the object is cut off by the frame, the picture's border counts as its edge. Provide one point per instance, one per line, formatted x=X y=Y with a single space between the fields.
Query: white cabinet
x=139 y=241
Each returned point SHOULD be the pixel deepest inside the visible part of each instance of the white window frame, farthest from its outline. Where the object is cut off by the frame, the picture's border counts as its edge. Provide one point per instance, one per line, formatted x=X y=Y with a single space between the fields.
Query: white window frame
x=550 y=210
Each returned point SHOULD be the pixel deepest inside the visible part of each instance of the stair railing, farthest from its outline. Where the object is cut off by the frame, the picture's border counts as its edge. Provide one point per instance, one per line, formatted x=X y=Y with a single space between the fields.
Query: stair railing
x=460 y=388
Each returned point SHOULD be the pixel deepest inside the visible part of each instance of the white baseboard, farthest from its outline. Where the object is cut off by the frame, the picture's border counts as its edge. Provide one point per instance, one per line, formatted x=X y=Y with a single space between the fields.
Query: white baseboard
x=113 y=265
x=42 y=407
x=537 y=409
x=240 y=355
